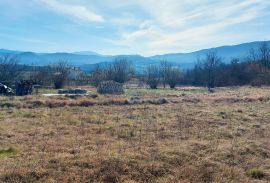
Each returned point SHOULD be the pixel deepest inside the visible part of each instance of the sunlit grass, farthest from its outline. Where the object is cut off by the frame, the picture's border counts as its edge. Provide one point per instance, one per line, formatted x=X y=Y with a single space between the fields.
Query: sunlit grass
x=164 y=91
x=9 y=152
x=194 y=136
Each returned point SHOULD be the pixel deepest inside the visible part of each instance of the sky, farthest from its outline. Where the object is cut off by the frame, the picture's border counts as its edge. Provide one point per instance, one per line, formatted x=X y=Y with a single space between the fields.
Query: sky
x=145 y=27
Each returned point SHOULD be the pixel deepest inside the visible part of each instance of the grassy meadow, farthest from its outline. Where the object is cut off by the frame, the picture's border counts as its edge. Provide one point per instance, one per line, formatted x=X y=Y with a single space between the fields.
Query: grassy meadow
x=182 y=135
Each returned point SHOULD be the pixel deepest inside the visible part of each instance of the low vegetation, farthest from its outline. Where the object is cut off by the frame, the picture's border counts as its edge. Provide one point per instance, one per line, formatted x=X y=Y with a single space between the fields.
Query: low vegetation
x=190 y=136
x=147 y=134
x=8 y=152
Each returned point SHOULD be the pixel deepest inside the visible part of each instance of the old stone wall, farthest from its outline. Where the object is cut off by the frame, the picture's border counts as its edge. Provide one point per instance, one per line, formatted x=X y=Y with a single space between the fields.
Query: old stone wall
x=110 y=87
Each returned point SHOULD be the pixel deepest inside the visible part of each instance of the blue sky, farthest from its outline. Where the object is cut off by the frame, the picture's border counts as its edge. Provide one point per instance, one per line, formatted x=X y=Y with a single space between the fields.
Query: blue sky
x=145 y=27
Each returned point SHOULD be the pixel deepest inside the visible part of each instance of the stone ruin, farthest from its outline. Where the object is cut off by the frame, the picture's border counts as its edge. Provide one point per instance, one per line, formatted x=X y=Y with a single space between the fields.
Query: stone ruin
x=24 y=87
x=4 y=90
x=77 y=91
x=110 y=87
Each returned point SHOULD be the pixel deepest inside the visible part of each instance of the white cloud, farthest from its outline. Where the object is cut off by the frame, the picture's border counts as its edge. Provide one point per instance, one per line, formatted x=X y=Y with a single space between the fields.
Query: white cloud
x=77 y=11
x=25 y=39
x=140 y=26
x=177 y=26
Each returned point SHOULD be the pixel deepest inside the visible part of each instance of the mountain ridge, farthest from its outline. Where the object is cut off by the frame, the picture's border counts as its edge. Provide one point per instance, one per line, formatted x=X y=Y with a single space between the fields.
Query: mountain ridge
x=84 y=58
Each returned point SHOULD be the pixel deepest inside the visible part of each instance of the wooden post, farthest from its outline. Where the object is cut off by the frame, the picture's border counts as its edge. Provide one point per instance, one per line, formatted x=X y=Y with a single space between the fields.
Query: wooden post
x=36 y=87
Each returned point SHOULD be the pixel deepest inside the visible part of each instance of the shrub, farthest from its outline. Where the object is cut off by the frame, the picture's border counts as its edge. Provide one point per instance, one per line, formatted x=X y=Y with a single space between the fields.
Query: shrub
x=7 y=152
x=256 y=173
x=86 y=103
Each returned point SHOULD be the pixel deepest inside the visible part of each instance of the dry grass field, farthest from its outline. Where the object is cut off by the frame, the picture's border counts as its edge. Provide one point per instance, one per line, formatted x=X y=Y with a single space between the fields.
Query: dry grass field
x=183 y=135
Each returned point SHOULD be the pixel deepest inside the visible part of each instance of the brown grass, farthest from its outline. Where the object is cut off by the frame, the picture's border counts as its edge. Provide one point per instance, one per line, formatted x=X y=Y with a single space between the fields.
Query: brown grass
x=219 y=137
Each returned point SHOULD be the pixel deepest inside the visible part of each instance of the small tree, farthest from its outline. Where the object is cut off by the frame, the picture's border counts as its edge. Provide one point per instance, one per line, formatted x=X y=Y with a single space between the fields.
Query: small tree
x=82 y=79
x=41 y=75
x=98 y=75
x=173 y=77
x=165 y=68
x=259 y=65
x=264 y=56
x=152 y=76
x=210 y=65
x=121 y=71
x=9 y=68
x=60 y=73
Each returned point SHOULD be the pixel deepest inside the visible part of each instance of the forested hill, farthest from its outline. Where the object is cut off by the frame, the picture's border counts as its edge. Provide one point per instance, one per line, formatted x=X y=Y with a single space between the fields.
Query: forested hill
x=87 y=59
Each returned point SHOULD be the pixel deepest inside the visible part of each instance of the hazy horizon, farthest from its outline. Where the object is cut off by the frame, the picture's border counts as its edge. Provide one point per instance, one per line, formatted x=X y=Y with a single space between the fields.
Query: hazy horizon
x=113 y=27
x=82 y=52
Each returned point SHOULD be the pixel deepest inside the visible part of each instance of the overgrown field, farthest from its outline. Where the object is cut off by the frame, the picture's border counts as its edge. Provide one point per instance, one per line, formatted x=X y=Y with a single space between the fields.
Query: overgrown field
x=185 y=135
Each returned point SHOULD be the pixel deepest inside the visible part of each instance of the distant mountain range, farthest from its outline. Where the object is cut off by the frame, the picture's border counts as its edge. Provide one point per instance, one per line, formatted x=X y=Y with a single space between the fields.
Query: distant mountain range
x=87 y=59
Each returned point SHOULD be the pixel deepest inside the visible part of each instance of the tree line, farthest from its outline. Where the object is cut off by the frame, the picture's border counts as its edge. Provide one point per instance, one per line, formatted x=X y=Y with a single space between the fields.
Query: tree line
x=55 y=74
x=122 y=71
x=209 y=71
x=212 y=72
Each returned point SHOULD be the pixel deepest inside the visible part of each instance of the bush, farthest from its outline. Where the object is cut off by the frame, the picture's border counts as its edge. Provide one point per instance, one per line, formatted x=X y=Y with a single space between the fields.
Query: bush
x=7 y=152
x=152 y=76
x=256 y=173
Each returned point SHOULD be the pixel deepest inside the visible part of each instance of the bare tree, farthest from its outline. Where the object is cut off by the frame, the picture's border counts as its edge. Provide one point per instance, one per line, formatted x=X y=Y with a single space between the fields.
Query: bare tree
x=121 y=70
x=164 y=69
x=60 y=73
x=173 y=76
x=252 y=55
x=259 y=64
x=9 y=68
x=98 y=75
x=254 y=71
x=210 y=65
x=264 y=56
x=261 y=56
x=82 y=79
x=152 y=76
x=41 y=75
